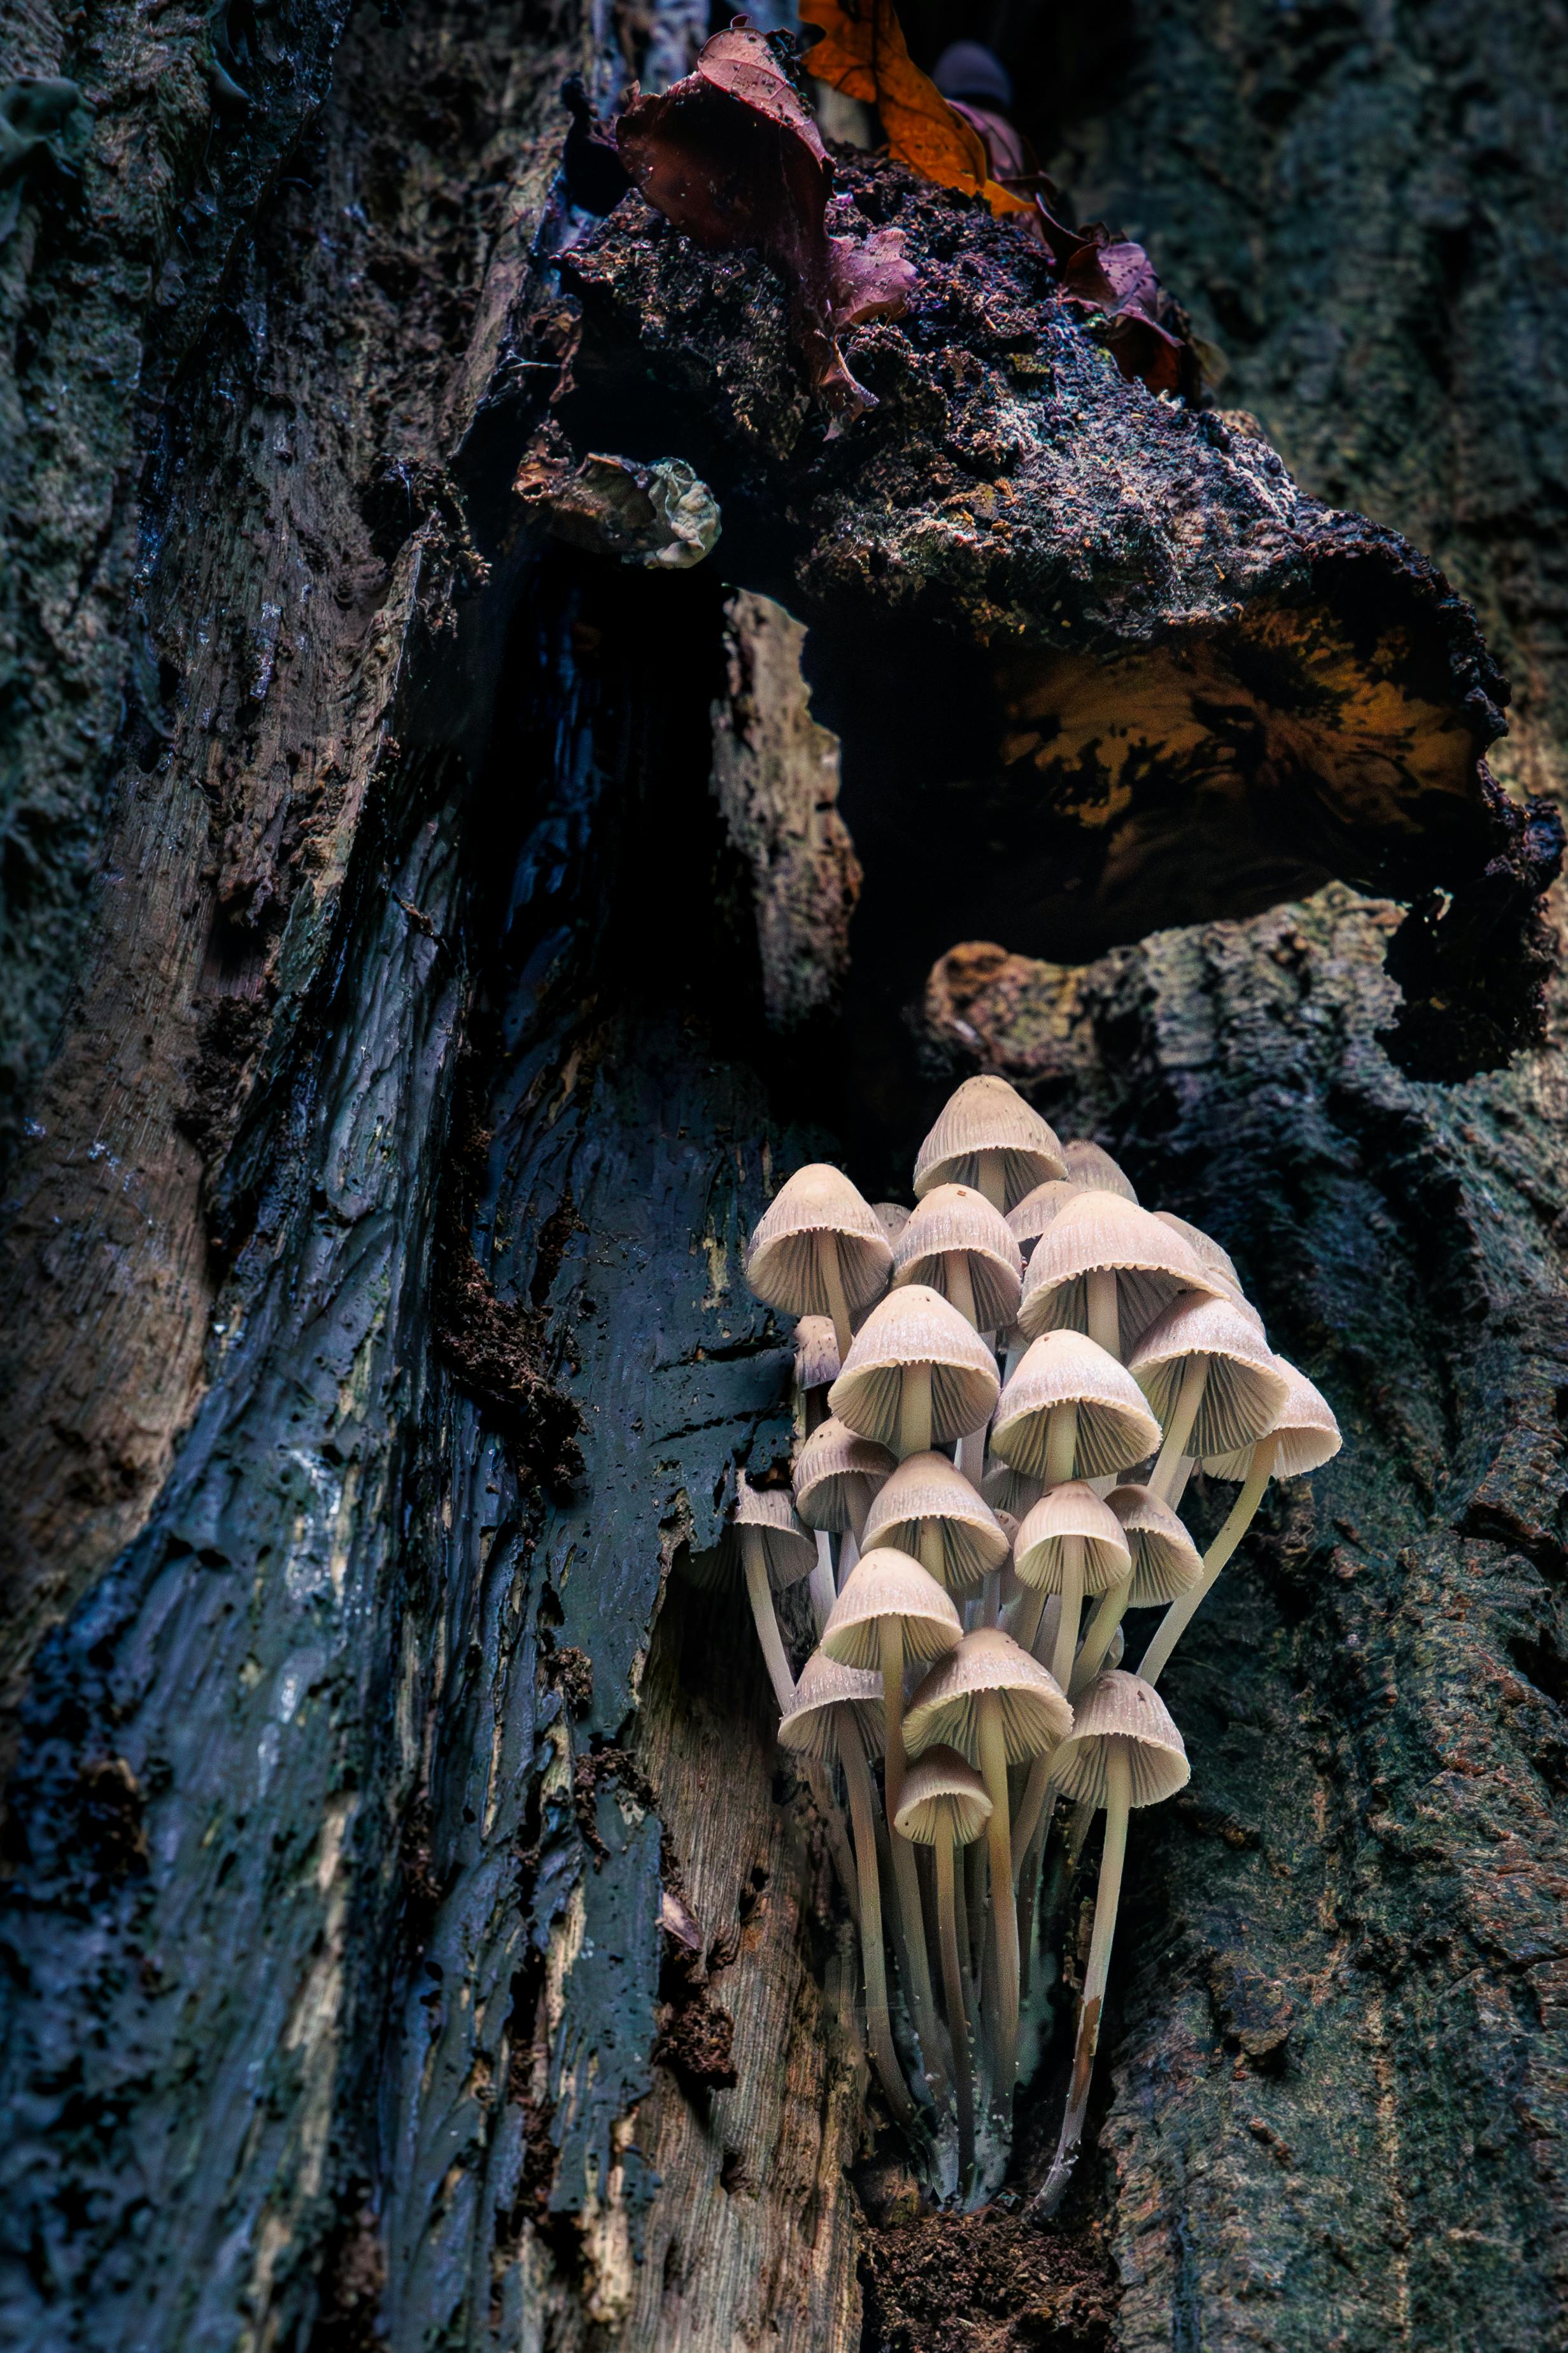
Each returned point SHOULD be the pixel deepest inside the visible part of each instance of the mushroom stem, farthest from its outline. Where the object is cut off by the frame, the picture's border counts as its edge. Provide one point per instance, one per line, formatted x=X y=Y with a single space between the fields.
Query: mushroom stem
x=901 y=1854
x=914 y=1412
x=848 y=1553
x=930 y=1550
x=1028 y=1612
x=953 y=1996
x=754 y=1554
x=960 y=1284
x=819 y=1783
x=991 y=1599
x=991 y=1178
x=1117 y=1804
x=1072 y=1610
x=1104 y=1311
x=1032 y=1808
x=862 y=1813
x=832 y=1274
x=1179 y=1429
x=1003 y=1921
x=1061 y=1443
x=1182 y=1611
x=1101 y=1633
x=823 y=1591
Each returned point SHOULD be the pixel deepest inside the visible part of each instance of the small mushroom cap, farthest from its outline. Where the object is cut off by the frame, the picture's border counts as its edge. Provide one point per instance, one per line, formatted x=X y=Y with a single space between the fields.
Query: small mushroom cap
x=1090 y=1165
x=824 y=1692
x=892 y=1216
x=988 y=1663
x=1010 y=1491
x=1203 y=1246
x=1100 y=1233
x=1115 y=1428
x=815 y=1353
x=1123 y=1711
x=1071 y=1510
x=1308 y=1433
x=943 y=1797
x=832 y=1471
x=915 y=1326
x=988 y=1115
x=1245 y=1391
x=930 y=1487
x=885 y=1584
x=1165 y=1560
x=1037 y=1211
x=781 y=1266
x=789 y=1551
x=952 y=1217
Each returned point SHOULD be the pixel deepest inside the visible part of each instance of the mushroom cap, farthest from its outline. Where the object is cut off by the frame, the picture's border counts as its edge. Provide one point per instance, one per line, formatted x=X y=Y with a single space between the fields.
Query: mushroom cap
x=1115 y=1428
x=930 y=1487
x=915 y=1326
x=1071 y=1510
x=781 y=1264
x=886 y=1583
x=1308 y=1433
x=892 y=1216
x=943 y=1797
x=825 y=1690
x=1101 y=1233
x=1010 y=1491
x=1035 y=1211
x=1124 y=1710
x=827 y=1467
x=988 y=1663
x=988 y=1115
x=1245 y=1391
x=788 y=1550
x=1165 y=1560
x=1090 y=1165
x=952 y=1217
x=815 y=1352
x=1203 y=1246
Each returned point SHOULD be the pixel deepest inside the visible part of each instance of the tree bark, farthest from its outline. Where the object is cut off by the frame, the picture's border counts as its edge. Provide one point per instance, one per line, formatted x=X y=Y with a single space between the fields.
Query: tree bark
x=412 y=1935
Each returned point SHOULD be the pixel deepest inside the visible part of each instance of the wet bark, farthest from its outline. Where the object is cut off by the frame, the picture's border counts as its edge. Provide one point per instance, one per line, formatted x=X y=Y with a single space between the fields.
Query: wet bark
x=398 y=1865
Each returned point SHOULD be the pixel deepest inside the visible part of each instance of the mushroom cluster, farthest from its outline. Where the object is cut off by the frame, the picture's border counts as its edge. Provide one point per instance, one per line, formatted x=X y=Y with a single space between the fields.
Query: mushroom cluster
x=1001 y=1395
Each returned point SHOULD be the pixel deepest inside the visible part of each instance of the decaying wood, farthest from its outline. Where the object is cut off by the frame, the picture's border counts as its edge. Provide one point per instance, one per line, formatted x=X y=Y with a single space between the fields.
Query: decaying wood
x=398 y=1862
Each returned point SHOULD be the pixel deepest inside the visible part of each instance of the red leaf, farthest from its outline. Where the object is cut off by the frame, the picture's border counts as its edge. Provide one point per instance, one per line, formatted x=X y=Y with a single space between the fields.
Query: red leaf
x=732 y=155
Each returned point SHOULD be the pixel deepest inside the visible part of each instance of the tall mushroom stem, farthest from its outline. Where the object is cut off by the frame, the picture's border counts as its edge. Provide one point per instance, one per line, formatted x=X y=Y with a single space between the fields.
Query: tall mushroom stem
x=960 y=1284
x=1101 y=1633
x=879 y=2028
x=914 y=1411
x=1062 y=1451
x=819 y=1782
x=901 y=1854
x=991 y=1178
x=754 y=1553
x=832 y=1274
x=1072 y=1610
x=1118 y=1805
x=1004 y=1922
x=1104 y=1311
x=1185 y=1609
x=1179 y=1429
x=953 y=1996
x=823 y=1591
x=1032 y=1809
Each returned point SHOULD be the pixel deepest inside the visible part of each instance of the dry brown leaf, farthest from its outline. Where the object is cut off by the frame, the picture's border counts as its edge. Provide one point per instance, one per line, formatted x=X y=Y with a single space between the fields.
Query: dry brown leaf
x=863 y=53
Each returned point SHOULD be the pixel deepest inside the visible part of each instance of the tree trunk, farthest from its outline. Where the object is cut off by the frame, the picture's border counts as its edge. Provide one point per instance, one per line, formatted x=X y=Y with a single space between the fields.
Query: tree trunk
x=411 y=1933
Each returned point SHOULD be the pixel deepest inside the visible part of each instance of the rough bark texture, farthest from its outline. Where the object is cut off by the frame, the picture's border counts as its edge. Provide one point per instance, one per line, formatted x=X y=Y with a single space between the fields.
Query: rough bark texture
x=398 y=1866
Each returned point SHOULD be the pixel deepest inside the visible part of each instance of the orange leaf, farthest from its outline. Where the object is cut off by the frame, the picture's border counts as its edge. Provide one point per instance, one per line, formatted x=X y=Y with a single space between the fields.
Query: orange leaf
x=862 y=52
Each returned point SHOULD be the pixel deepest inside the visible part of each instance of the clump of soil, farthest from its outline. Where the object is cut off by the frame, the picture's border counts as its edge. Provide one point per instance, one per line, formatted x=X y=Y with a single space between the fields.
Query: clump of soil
x=986 y=2282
